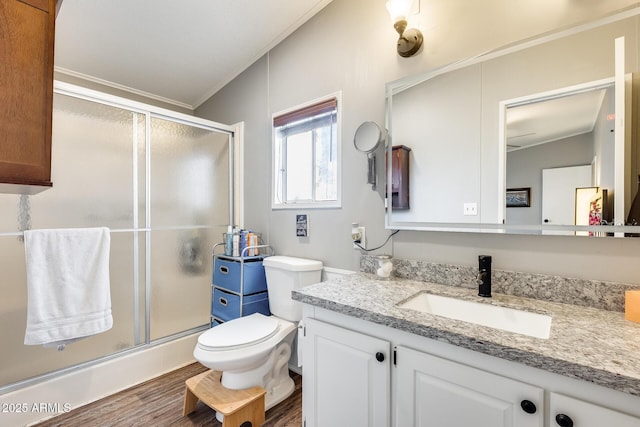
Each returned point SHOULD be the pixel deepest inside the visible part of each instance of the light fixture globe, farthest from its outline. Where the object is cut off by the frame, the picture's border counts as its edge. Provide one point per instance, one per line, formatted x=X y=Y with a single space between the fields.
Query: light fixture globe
x=409 y=41
x=399 y=9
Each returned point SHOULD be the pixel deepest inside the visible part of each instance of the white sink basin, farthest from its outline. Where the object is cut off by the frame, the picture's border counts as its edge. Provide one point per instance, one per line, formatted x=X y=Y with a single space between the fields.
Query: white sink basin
x=504 y=318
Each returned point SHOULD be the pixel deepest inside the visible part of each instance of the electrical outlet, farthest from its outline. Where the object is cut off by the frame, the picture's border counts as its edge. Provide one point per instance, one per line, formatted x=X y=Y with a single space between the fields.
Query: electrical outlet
x=358 y=237
x=470 y=209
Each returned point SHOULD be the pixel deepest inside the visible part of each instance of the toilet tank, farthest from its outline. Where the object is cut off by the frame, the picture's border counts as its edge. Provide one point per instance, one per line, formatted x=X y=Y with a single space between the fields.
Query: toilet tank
x=285 y=274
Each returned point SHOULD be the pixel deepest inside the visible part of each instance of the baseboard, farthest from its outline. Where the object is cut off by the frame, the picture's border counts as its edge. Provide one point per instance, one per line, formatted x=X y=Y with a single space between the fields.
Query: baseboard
x=66 y=392
x=295 y=368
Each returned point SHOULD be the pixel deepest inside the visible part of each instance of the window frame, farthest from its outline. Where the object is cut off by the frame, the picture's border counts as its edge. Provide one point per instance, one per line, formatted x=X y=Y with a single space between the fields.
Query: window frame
x=277 y=177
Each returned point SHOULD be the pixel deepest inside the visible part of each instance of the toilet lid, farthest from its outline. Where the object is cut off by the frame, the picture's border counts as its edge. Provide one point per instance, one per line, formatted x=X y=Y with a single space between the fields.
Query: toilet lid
x=239 y=332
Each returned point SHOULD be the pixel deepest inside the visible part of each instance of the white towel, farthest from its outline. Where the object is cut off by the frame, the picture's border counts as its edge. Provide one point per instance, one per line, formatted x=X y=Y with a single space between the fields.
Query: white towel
x=68 y=285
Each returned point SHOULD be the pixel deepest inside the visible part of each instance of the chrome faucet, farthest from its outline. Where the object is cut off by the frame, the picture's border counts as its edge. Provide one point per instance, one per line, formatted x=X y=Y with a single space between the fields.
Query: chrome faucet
x=483 y=278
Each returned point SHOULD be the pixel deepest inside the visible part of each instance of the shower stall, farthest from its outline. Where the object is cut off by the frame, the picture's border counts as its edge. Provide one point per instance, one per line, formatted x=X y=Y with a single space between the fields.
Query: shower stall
x=163 y=183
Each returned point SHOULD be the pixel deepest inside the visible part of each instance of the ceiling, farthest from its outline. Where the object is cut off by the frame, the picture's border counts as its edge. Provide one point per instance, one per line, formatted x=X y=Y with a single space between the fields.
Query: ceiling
x=553 y=119
x=175 y=51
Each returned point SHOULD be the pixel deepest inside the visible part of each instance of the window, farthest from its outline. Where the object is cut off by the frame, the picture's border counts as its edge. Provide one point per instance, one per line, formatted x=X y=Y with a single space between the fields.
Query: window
x=306 y=155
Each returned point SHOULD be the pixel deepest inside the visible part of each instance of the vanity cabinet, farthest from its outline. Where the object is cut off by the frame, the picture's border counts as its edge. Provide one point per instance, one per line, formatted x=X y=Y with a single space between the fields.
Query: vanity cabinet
x=26 y=90
x=565 y=411
x=346 y=377
x=427 y=383
x=434 y=392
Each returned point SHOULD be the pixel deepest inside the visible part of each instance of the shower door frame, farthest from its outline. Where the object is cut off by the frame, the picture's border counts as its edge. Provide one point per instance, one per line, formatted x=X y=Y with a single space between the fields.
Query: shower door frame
x=235 y=148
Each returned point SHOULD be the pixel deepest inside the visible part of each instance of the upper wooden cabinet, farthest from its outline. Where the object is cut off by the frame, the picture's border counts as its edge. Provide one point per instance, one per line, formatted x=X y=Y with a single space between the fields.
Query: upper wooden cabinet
x=26 y=94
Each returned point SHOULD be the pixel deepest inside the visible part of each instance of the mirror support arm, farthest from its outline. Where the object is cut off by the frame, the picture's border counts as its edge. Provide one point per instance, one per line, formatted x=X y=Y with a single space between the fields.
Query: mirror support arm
x=371 y=175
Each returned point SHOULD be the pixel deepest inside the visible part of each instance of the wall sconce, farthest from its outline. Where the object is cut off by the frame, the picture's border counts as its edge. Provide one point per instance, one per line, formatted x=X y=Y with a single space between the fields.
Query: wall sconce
x=409 y=41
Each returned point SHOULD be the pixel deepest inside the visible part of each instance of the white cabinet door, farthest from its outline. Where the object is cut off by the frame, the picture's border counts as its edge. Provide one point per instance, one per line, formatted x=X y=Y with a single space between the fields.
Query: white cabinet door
x=559 y=193
x=566 y=411
x=434 y=392
x=346 y=377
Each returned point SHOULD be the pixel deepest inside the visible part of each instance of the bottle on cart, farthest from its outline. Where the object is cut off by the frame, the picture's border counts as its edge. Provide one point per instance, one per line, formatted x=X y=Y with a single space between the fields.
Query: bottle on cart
x=252 y=241
x=236 y=243
x=243 y=242
x=228 y=242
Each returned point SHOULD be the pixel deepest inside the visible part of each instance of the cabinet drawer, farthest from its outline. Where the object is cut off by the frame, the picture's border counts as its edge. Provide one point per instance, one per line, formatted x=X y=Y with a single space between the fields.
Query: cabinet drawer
x=226 y=274
x=226 y=306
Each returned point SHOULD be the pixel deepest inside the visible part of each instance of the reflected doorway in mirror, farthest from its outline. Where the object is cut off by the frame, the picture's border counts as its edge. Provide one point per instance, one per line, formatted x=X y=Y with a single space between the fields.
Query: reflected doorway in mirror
x=400 y=159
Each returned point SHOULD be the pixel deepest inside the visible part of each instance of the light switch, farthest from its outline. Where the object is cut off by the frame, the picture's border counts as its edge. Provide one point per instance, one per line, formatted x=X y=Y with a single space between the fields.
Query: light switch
x=470 y=209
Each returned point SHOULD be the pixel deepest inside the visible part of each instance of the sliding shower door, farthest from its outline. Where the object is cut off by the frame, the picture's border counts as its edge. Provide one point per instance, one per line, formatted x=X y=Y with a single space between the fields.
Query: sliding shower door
x=161 y=183
x=189 y=210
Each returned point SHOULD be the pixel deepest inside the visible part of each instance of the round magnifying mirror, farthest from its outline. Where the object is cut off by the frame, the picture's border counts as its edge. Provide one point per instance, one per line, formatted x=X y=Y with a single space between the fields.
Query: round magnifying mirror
x=368 y=137
x=367 y=140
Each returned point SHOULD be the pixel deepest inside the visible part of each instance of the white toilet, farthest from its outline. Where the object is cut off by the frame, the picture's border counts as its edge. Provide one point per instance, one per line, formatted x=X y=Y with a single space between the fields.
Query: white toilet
x=255 y=349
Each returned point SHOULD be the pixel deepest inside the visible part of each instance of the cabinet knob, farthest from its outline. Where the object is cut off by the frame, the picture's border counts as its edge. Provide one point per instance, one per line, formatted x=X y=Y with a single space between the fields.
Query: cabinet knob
x=564 y=420
x=528 y=406
x=380 y=356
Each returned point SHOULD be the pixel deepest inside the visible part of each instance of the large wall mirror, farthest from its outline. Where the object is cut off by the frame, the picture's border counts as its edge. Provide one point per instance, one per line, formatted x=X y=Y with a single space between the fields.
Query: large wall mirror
x=536 y=138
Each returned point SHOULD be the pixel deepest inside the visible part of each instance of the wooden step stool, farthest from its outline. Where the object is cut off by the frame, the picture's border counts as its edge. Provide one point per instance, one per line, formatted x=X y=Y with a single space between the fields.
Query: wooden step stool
x=237 y=406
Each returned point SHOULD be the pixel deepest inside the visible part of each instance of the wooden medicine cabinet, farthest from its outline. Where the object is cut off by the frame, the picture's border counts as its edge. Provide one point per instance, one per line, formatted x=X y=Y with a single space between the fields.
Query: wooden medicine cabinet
x=26 y=89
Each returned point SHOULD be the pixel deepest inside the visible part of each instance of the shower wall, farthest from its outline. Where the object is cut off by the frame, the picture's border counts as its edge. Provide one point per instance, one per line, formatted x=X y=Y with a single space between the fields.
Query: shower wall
x=161 y=184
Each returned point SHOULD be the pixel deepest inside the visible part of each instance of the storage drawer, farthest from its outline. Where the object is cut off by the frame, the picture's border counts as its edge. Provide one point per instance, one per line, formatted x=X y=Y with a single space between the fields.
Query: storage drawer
x=226 y=306
x=226 y=274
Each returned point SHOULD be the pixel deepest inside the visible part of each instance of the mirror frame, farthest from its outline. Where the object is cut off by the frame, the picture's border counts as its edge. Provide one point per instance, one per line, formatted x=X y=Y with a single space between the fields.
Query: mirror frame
x=397 y=86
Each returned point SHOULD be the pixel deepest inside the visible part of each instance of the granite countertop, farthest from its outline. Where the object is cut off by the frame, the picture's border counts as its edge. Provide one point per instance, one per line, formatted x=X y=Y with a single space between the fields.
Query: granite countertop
x=589 y=344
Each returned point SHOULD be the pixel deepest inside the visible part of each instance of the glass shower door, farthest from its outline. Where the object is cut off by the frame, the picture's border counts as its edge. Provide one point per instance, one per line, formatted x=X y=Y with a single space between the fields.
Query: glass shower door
x=93 y=174
x=161 y=182
x=189 y=209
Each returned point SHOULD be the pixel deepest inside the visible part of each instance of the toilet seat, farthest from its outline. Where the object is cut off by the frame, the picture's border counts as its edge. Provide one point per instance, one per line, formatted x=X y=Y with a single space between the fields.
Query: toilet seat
x=238 y=333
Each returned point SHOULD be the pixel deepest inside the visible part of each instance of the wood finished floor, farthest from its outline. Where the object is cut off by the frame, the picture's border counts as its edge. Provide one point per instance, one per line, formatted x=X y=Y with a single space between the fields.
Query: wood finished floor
x=158 y=402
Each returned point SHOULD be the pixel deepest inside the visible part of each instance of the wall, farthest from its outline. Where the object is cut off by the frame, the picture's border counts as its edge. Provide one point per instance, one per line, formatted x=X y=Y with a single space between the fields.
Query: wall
x=524 y=169
x=427 y=119
x=350 y=46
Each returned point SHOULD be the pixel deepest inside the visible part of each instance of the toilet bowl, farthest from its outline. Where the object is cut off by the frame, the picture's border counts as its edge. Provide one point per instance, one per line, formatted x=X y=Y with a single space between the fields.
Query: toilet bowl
x=244 y=349
x=254 y=350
